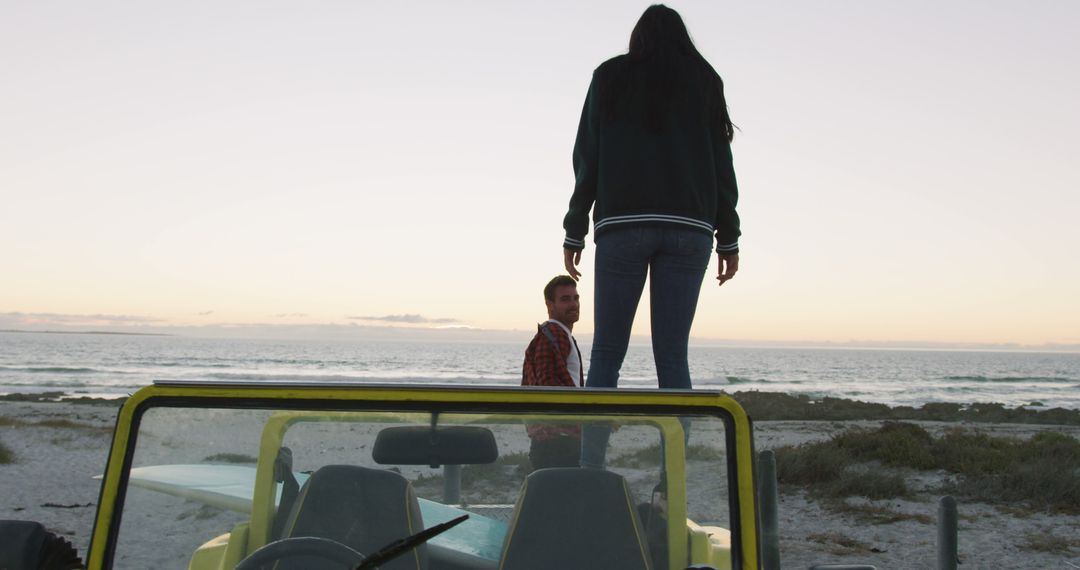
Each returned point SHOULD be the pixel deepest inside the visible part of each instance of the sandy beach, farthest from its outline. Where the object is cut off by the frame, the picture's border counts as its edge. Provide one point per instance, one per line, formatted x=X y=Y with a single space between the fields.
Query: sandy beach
x=58 y=447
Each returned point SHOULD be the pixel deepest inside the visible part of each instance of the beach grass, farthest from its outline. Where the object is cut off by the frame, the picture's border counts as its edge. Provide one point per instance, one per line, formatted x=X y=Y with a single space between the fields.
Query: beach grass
x=230 y=458
x=876 y=514
x=1049 y=542
x=6 y=421
x=696 y=452
x=509 y=469
x=1043 y=472
x=773 y=406
x=650 y=456
x=69 y=424
x=840 y=544
x=1040 y=472
x=644 y=456
x=868 y=483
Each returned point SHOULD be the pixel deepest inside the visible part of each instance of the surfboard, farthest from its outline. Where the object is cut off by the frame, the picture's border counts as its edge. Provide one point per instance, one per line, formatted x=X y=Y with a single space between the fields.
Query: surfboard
x=231 y=487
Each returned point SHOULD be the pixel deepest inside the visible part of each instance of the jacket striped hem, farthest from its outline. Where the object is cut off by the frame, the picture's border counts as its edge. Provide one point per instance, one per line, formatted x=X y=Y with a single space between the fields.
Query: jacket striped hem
x=727 y=248
x=640 y=218
x=575 y=244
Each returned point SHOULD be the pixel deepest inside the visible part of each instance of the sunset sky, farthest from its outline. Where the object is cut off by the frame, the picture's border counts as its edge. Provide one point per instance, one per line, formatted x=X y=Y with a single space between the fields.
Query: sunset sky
x=909 y=171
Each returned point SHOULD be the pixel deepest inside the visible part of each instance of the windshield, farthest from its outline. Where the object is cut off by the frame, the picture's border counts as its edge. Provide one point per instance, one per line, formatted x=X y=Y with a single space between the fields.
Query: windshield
x=207 y=486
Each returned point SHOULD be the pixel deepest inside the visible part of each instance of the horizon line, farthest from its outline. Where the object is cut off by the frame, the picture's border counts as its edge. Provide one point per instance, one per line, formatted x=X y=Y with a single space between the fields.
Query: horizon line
x=445 y=333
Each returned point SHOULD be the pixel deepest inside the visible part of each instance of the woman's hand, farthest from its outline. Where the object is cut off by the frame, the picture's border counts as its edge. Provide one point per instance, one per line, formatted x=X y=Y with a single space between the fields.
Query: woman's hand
x=729 y=264
x=570 y=259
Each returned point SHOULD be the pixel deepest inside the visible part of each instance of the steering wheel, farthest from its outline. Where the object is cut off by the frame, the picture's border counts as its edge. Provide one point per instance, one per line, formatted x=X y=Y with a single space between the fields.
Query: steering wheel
x=324 y=548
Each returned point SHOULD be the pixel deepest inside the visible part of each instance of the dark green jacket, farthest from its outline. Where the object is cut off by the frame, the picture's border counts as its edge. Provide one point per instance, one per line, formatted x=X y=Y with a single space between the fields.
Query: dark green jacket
x=677 y=175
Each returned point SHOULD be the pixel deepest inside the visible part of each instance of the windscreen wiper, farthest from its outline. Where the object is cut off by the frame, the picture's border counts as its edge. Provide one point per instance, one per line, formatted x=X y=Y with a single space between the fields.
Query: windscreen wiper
x=403 y=545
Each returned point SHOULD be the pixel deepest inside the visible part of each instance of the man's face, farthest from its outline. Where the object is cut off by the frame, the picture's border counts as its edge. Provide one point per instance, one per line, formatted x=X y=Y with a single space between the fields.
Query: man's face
x=566 y=307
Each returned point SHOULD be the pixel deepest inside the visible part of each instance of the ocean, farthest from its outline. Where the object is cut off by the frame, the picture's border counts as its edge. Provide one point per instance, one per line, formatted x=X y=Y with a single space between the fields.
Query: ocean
x=103 y=365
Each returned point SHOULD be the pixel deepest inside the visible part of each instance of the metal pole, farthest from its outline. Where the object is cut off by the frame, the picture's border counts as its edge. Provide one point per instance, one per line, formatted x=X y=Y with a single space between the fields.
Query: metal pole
x=767 y=497
x=451 y=489
x=947 y=534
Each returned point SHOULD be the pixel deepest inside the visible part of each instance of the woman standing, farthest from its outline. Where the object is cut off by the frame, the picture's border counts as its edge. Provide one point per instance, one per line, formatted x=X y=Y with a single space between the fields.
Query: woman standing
x=653 y=161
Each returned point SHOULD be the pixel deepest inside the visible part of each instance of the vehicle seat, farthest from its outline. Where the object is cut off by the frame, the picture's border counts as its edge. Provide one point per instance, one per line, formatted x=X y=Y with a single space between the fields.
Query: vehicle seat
x=27 y=544
x=362 y=508
x=575 y=518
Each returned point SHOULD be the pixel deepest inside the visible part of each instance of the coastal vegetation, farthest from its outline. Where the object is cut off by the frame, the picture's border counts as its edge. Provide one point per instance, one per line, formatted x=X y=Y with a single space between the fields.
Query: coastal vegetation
x=1049 y=542
x=52 y=423
x=231 y=458
x=1042 y=473
x=866 y=513
x=508 y=470
x=840 y=545
x=776 y=406
x=648 y=455
x=6 y=456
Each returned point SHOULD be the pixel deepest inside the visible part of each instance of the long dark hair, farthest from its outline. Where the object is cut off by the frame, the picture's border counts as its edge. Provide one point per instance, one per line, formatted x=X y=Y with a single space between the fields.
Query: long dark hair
x=658 y=44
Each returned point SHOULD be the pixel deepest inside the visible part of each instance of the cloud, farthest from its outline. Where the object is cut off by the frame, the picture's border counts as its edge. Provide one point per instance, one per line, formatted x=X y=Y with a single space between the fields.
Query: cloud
x=289 y=315
x=205 y=313
x=18 y=319
x=408 y=319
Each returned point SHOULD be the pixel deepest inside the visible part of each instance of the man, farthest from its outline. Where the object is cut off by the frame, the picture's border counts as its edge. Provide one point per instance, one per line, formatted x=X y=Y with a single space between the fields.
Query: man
x=553 y=359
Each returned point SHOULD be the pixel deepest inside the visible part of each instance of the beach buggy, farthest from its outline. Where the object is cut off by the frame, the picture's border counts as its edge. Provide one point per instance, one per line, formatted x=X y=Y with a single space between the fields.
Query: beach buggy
x=325 y=476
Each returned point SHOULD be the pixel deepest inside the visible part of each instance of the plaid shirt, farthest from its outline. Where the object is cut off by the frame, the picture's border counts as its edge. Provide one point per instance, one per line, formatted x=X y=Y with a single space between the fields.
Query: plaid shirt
x=546 y=366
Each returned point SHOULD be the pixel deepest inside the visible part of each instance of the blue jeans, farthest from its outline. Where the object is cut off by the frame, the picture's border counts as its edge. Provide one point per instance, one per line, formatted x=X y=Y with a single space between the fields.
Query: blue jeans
x=675 y=260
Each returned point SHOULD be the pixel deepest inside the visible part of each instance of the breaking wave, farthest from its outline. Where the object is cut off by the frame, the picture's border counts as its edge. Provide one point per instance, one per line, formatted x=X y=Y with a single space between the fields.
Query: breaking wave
x=54 y=370
x=1012 y=379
